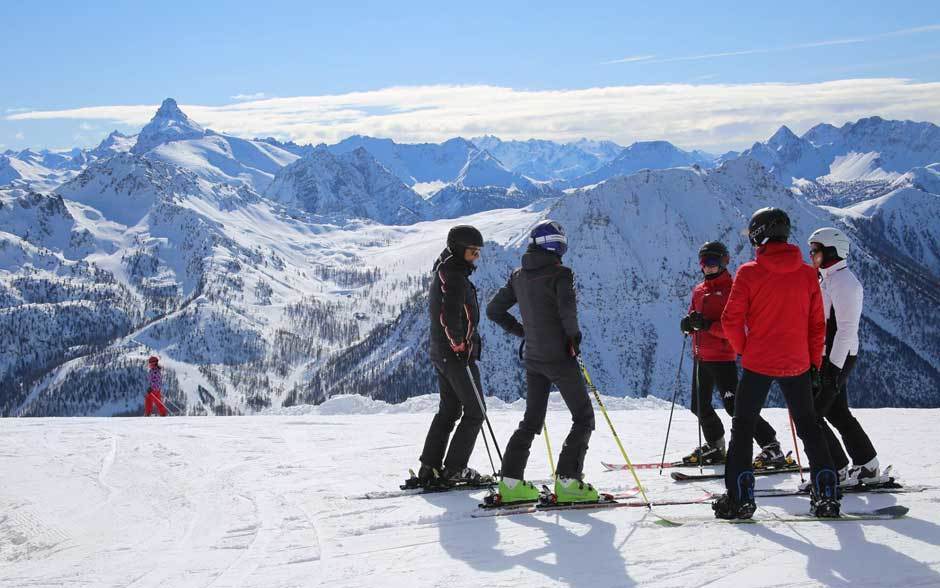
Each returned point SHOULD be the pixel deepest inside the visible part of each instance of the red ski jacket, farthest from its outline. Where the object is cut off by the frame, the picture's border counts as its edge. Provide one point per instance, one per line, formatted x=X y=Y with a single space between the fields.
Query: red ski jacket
x=709 y=298
x=774 y=316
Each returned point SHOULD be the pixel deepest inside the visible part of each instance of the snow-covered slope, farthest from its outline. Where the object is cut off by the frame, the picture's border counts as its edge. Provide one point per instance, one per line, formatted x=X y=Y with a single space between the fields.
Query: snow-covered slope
x=349 y=185
x=548 y=160
x=167 y=125
x=868 y=149
x=270 y=502
x=40 y=171
x=414 y=163
x=644 y=155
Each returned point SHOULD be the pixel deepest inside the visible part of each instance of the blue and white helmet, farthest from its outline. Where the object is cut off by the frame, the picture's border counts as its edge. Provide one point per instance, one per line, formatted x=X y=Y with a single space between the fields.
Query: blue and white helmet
x=550 y=236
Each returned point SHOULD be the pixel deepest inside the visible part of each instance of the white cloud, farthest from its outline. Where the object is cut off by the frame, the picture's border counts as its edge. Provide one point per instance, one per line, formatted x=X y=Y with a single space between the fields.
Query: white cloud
x=708 y=116
x=12 y=110
x=825 y=43
x=19 y=136
x=87 y=126
x=255 y=96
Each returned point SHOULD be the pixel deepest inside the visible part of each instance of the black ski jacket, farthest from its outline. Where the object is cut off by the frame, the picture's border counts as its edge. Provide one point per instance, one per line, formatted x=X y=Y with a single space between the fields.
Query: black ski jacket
x=544 y=290
x=454 y=310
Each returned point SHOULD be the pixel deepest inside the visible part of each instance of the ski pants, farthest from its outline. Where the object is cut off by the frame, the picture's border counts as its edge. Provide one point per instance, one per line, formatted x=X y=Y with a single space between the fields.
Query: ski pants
x=154 y=398
x=706 y=376
x=853 y=435
x=540 y=376
x=752 y=393
x=459 y=402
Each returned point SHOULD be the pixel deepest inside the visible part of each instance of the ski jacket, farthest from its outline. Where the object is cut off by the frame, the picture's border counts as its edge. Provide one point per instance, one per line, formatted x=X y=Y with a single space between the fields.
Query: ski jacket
x=774 y=316
x=544 y=290
x=454 y=310
x=156 y=379
x=709 y=298
x=842 y=302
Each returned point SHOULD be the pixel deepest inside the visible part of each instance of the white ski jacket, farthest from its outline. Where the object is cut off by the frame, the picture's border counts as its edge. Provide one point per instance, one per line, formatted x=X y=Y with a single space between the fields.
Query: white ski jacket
x=842 y=300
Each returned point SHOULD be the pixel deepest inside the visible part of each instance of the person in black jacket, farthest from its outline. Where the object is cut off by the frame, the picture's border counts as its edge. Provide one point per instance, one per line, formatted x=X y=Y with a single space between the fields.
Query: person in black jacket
x=454 y=346
x=544 y=290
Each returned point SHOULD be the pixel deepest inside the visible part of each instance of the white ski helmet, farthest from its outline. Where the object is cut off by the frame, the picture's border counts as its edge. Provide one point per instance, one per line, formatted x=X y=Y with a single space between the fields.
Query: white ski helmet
x=831 y=237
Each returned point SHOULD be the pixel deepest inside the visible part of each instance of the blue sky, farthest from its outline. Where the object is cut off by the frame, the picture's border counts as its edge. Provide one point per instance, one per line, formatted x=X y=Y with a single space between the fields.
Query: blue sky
x=60 y=56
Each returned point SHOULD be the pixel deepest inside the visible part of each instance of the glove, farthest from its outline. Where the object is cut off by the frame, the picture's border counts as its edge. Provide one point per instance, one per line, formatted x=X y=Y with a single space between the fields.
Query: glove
x=846 y=370
x=698 y=322
x=828 y=389
x=815 y=380
x=462 y=351
x=685 y=324
x=518 y=330
x=573 y=344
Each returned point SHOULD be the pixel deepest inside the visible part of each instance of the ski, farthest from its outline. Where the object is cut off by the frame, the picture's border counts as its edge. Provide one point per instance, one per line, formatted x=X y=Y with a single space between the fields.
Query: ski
x=607 y=501
x=404 y=490
x=887 y=513
x=616 y=467
x=681 y=477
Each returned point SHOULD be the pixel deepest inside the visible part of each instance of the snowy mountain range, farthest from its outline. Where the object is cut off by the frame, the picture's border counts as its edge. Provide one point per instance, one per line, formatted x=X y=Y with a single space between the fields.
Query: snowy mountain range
x=267 y=274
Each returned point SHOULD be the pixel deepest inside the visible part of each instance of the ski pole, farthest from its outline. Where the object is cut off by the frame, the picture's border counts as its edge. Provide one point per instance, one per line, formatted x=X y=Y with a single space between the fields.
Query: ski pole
x=486 y=417
x=698 y=400
x=673 y=408
x=623 y=452
x=796 y=446
x=548 y=444
x=488 y=454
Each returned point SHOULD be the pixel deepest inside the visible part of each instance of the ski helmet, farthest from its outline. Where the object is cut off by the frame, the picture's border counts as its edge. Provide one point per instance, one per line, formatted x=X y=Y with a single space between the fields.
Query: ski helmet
x=830 y=237
x=768 y=224
x=153 y=360
x=715 y=249
x=550 y=236
x=461 y=237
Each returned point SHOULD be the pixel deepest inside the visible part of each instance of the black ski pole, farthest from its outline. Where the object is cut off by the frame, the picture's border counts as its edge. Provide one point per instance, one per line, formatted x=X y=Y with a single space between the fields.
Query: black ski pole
x=485 y=418
x=673 y=408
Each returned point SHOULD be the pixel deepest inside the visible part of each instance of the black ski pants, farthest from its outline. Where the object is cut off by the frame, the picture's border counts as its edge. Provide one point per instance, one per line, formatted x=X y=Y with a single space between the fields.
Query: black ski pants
x=853 y=435
x=457 y=398
x=723 y=375
x=540 y=376
x=752 y=393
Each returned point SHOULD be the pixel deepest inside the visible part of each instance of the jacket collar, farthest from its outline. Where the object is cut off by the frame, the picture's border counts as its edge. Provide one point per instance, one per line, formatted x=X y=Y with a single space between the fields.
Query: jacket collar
x=825 y=272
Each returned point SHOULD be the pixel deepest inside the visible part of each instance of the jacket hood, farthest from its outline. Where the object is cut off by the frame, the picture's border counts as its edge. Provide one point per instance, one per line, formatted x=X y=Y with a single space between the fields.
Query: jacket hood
x=722 y=280
x=780 y=258
x=536 y=258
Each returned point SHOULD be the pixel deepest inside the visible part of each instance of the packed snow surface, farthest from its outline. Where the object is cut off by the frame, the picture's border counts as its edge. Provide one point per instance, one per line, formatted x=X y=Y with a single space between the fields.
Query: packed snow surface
x=275 y=501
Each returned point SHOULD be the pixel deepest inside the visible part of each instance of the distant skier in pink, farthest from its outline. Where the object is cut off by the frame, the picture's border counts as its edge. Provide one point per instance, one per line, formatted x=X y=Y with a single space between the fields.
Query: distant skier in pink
x=154 y=394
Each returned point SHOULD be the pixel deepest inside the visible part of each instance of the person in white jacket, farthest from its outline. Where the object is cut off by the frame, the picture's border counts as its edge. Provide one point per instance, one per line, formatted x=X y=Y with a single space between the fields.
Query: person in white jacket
x=842 y=302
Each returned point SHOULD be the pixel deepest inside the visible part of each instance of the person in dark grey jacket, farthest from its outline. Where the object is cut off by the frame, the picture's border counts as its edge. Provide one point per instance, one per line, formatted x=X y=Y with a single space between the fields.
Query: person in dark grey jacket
x=544 y=290
x=454 y=347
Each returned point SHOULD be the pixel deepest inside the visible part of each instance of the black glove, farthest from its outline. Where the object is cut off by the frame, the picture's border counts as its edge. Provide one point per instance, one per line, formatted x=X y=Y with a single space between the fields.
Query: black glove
x=463 y=350
x=518 y=330
x=846 y=370
x=685 y=324
x=698 y=322
x=573 y=344
x=828 y=388
x=815 y=380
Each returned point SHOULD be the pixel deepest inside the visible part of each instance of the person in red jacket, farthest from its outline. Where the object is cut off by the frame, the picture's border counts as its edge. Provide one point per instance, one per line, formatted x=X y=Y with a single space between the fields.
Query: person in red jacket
x=715 y=363
x=154 y=395
x=774 y=319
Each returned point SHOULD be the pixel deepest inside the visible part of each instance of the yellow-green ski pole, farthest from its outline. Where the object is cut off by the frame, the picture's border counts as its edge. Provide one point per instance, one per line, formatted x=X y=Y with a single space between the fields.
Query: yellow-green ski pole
x=597 y=396
x=548 y=443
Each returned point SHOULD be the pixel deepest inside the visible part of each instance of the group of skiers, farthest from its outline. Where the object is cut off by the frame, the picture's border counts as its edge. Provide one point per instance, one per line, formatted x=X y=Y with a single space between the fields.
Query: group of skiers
x=790 y=322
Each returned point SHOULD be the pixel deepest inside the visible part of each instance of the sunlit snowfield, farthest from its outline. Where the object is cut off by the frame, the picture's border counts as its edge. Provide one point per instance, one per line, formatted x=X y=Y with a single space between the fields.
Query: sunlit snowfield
x=272 y=501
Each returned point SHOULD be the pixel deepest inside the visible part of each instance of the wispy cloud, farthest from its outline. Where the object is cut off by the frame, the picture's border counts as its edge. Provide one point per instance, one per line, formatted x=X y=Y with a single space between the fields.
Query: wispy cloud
x=243 y=97
x=19 y=136
x=932 y=28
x=631 y=59
x=85 y=126
x=708 y=116
x=13 y=110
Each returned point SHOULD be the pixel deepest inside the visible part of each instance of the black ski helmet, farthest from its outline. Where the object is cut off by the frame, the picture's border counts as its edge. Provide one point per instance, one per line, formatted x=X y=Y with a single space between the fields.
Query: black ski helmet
x=461 y=237
x=768 y=224
x=715 y=249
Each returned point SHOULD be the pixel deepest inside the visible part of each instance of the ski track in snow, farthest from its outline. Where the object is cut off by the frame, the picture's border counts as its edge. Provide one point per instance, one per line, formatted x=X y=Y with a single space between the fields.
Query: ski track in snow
x=269 y=501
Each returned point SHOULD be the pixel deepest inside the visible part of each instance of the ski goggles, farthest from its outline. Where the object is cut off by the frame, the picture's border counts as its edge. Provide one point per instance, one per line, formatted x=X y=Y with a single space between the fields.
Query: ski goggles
x=709 y=261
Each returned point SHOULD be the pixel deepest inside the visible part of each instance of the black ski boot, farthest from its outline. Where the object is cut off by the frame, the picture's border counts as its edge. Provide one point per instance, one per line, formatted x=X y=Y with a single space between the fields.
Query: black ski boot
x=430 y=477
x=824 y=498
x=706 y=455
x=726 y=507
x=770 y=457
x=465 y=476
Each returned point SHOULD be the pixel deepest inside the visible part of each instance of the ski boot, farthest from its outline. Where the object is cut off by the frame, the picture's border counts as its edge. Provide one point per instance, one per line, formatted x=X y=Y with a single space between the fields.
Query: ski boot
x=844 y=482
x=513 y=491
x=568 y=490
x=706 y=455
x=726 y=507
x=868 y=473
x=465 y=476
x=824 y=496
x=430 y=477
x=770 y=457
